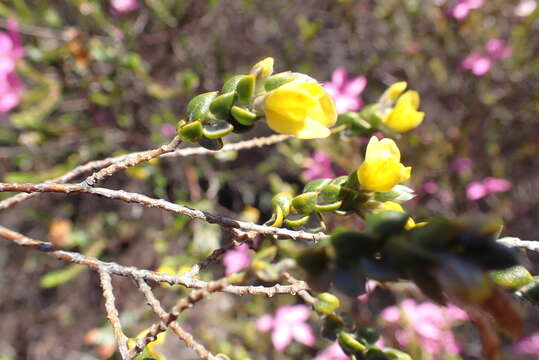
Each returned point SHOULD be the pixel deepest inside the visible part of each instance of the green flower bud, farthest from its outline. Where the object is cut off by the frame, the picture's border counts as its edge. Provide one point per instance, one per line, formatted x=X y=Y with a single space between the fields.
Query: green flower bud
x=231 y=84
x=328 y=198
x=513 y=278
x=326 y=303
x=296 y=220
x=220 y=106
x=305 y=203
x=199 y=107
x=350 y=344
x=246 y=89
x=395 y=354
x=283 y=200
x=191 y=132
x=243 y=116
x=316 y=185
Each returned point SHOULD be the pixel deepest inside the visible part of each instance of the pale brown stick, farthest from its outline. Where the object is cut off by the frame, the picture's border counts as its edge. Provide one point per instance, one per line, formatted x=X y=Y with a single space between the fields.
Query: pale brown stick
x=168 y=320
x=131 y=161
x=164 y=205
x=135 y=273
x=99 y=164
x=112 y=312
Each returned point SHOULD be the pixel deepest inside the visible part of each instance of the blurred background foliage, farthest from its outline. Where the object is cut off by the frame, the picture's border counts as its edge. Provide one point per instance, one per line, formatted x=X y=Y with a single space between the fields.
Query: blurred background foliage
x=99 y=83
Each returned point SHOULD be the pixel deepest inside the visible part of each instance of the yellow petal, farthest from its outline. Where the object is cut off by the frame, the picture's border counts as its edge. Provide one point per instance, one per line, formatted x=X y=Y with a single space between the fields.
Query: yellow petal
x=381 y=175
x=396 y=89
x=409 y=99
x=382 y=149
x=313 y=130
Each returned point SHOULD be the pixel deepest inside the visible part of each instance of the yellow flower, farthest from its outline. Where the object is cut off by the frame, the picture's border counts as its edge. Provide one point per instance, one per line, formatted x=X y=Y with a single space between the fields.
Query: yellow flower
x=301 y=108
x=393 y=206
x=394 y=91
x=263 y=68
x=382 y=168
x=404 y=116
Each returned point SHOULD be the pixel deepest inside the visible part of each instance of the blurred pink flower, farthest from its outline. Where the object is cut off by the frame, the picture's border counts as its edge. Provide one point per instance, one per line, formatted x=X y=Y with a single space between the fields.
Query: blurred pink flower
x=427 y=323
x=333 y=352
x=288 y=324
x=528 y=346
x=123 y=6
x=461 y=165
x=168 y=130
x=319 y=167
x=498 y=49
x=237 y=259
x=479 y=189
x=10 y=52
x=525 y=8
x=462 y=8
x=430 y=187
x=478 y=64
x=346 y=92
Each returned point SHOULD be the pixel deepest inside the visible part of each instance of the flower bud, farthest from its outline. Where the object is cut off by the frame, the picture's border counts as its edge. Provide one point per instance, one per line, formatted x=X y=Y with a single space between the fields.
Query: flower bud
x=326 y=303
x=263 y=69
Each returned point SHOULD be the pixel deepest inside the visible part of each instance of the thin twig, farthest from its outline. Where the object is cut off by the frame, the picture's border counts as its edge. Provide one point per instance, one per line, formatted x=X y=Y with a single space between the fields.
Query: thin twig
x=304 y=294
x=168 y=320
x=164 y=205
x=131 y=161
x=135 y=273
x=99 y=164
x=112 y=312
x=514 y=242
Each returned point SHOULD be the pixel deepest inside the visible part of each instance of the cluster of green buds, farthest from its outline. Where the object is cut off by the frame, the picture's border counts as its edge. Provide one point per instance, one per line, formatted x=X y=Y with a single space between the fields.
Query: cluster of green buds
x=357 y=342
x=396 y=111
x=341 y=196
x=458 y=261
x=292 y=103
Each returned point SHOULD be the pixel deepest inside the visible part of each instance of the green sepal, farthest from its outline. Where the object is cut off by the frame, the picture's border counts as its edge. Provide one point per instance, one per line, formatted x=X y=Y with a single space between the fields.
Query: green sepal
x=282 y=78
x=296 y=220
x=355 y=123
x=283 y=200
x=211 y=144
x=326 y=303
x=199 y=107
x=328 y=199
x=220 y=106
x=246 y=89
x=274 y=81
x=231 y=84
x=350 y=345
x=512 y=278
x=341 y=180
x=191 y=132
x=216 y=129
x=395 y=354
x=369 y=114
x=305 y=203
x=243 y=116
x=316 y=185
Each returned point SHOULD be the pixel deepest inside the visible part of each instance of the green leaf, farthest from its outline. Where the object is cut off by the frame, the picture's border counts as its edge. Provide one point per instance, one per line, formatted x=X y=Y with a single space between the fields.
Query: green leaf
x=243 y=116
x=191 y=132
x=216 y=129
x=305 y=203
x=199 y=107
x=220 y=106
x=326 y=303
x=512 y=278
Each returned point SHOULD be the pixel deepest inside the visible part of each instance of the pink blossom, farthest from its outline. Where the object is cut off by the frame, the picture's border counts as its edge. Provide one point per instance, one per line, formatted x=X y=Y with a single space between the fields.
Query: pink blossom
x=237 y=259
x=333 y=352
x=461 y=165
x=479 y=189
x=346 y=92
x=430 y=187
x=498 y=49
x=319 y=167
x=10 y=52
x=478 y=64
x=462 y=8
x=123 y=6
x=528 y=346
x=525 y=8
x=427 y=323
x=289 y=323
x=168 y=130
